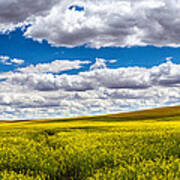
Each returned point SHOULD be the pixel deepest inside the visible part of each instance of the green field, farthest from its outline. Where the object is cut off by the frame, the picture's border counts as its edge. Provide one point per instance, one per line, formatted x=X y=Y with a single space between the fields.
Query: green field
x=138 y=145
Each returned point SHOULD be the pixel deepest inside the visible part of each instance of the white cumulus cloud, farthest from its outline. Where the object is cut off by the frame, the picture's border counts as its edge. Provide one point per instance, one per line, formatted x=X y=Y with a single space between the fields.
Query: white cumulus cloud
x=110 y=23
x=99 y=64
x=10 y=61
x=100 y=23
x=55 y=66
x=27 y=94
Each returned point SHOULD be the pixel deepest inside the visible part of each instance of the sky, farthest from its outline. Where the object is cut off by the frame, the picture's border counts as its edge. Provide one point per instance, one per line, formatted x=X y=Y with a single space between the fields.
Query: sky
x=71 y=58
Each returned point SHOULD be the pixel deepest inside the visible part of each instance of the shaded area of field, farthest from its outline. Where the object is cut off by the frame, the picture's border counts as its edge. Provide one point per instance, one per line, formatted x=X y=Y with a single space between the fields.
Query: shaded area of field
x=137 y=145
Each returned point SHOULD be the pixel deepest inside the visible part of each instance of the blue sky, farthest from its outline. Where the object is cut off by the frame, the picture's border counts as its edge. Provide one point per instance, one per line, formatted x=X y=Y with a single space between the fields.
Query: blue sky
x=70 y=58
x=15 y=45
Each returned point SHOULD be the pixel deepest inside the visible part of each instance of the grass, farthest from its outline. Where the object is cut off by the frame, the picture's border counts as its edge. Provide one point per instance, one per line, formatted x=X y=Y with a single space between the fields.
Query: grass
x=128 y=146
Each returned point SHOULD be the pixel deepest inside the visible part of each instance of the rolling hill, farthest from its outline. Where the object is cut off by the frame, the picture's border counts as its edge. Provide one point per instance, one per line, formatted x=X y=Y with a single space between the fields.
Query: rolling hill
x=136 y=145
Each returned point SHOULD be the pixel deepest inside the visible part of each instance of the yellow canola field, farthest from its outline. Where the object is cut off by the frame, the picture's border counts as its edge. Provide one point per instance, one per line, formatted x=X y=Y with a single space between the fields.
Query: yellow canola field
x=97 y=148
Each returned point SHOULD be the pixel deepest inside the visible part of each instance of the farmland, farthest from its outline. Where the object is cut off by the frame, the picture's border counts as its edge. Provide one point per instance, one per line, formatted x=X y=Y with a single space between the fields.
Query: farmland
x=137 y=145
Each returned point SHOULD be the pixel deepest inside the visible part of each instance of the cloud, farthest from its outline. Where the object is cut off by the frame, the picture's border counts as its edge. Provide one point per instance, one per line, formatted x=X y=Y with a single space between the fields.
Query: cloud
x=99 y=64
x=55 y=66
x=16 y=13
x=4 y=60
x=108 y=23
x=28 y=94
x=113 y=61
x=169 y=58
x=17 y=61
x=10 y=61
x=38 y=77
x=100 y=23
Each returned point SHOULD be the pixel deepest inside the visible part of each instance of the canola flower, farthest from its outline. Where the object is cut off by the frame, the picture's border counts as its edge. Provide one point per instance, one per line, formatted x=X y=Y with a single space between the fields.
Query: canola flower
x=91 y=149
